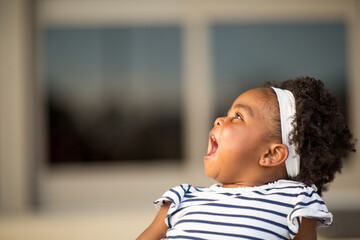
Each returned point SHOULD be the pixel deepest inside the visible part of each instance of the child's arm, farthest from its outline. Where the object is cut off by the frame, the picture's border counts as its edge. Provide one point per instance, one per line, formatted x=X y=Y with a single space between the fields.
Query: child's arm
x=157 y=228
x=307 y=229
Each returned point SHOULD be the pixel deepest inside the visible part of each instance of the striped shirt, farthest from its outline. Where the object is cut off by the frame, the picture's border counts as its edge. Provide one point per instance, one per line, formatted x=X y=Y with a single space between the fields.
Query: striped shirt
x=271 y=211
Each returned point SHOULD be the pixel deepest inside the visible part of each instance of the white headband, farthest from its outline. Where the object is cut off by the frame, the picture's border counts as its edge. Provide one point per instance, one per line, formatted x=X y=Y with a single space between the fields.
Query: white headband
x=287 y=113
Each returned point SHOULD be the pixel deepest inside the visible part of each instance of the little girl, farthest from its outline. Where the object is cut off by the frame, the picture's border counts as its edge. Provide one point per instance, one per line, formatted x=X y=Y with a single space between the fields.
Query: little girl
x=272 y=156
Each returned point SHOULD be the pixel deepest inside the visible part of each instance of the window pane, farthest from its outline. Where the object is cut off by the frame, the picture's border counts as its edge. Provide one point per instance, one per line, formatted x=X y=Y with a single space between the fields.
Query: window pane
x=247 y=55
x=113 y=94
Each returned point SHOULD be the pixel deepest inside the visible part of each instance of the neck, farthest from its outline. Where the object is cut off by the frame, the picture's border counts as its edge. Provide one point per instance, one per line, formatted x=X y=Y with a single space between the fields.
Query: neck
x=243 y=184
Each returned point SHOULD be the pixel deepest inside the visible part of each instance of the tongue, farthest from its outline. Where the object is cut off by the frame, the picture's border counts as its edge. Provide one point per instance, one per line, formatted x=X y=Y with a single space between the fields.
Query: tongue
x=213 y=148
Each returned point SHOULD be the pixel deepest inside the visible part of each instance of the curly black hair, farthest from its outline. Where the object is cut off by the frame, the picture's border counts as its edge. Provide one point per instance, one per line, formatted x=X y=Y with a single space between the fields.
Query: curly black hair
x=320 y=133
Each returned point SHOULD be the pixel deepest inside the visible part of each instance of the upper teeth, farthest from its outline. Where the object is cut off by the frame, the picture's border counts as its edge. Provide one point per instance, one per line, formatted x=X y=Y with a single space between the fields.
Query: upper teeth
x=213 y=138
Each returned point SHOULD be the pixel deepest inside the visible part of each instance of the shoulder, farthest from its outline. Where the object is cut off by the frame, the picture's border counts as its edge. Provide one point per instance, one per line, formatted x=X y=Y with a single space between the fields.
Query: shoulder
x=307 y=204
x=300 y=194
x=184 y=189
x=293 y=187
x=178 y=193
x=301 y=191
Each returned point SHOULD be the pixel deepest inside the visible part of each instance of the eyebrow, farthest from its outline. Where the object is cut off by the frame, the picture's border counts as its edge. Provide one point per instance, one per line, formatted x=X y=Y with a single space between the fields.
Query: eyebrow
x=245 y=107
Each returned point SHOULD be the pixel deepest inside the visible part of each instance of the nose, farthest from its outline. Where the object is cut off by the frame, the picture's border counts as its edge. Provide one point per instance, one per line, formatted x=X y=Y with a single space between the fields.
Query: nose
x=219 y=121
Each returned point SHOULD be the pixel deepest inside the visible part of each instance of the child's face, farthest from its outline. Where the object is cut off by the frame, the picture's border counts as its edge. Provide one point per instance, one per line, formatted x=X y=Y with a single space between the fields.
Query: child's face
x=238 y=141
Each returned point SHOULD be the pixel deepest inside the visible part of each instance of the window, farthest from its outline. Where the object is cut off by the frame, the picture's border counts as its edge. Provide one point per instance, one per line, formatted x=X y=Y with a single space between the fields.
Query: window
x=247 y=55
x=113 y=94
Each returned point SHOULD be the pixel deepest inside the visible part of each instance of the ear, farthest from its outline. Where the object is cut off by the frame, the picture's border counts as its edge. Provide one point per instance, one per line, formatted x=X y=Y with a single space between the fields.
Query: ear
x=276 y=155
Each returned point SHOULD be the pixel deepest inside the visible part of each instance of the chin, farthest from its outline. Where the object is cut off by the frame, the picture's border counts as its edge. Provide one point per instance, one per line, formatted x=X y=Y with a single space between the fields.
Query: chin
x=211 y=174
x=208 y=173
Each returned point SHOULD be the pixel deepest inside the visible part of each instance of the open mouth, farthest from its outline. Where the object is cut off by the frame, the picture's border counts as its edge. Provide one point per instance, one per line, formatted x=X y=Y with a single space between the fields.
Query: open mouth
x=214 y=146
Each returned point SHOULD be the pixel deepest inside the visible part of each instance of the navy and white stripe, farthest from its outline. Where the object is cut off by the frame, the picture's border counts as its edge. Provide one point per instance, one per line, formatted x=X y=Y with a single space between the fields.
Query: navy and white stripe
x=271 y=211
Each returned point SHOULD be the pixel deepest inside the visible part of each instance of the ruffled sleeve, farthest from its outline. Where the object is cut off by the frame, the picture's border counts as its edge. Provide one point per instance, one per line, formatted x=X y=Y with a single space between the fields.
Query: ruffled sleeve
x=310 y=205
x=174 y=196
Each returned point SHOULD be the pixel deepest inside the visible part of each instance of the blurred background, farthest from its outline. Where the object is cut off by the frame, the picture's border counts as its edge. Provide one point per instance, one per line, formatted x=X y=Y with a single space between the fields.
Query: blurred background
x=106 y=104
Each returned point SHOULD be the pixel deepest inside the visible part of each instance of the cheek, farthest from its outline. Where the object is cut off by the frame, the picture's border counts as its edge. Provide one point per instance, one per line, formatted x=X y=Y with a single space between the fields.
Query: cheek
x=234 y=139
x=241 y=143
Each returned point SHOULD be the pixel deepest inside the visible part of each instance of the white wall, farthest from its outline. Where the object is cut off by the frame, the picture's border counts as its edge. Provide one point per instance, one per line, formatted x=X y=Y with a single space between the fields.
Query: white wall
x=15 y=103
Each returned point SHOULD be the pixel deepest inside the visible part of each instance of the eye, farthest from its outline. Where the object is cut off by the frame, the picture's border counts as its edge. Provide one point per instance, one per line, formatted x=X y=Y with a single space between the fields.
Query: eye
x=238 y=116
